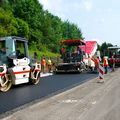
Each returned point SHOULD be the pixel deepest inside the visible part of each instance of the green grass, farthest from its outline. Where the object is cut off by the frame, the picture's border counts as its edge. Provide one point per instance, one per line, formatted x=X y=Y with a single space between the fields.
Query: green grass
x=46 y=54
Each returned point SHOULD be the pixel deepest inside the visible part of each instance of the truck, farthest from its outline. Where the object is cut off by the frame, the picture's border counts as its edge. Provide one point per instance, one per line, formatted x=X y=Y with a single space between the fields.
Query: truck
x=72 y=57
x=16 y=67
x=114 y=51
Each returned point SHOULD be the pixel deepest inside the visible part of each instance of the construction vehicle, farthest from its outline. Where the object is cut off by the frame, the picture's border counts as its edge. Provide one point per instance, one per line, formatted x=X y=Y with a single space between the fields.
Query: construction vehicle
x=72 y=57
x=114 y=51
x=15 y=65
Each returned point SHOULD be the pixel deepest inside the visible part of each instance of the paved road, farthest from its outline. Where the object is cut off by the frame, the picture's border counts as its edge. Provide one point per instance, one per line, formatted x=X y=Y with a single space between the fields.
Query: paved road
x=22 y=94
x=89 y=101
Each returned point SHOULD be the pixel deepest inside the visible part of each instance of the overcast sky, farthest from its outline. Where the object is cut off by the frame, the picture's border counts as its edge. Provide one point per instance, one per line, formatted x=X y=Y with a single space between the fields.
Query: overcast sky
x=98 y=19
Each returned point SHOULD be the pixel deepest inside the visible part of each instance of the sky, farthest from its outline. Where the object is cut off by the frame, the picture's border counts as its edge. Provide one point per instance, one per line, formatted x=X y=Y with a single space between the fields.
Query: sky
x=98 y=19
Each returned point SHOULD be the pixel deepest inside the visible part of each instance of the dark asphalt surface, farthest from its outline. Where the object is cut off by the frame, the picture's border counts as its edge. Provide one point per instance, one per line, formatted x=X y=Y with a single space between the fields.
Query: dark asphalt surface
x=48 y=86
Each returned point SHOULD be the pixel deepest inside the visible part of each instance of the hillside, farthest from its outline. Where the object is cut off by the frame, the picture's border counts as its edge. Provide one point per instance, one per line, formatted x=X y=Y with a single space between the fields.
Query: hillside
x=27 y=18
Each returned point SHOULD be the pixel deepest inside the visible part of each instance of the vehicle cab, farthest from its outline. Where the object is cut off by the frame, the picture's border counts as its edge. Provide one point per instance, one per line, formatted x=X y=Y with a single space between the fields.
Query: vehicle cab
x=15 y=64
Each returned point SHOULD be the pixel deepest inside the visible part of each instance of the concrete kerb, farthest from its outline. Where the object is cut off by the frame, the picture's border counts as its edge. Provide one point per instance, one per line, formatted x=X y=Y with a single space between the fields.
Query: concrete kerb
x=45 y=74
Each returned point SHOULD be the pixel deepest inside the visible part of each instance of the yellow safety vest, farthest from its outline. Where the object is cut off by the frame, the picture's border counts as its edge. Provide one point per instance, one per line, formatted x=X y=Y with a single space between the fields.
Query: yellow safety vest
x=49 y=62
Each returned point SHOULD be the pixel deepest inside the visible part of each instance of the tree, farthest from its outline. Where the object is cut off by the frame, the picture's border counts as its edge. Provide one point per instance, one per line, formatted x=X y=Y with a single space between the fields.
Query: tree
x=7 y=23
x=31 y=12
x=71 y=31
x=27 y=18
x=12 y=26
x=103 y=48
x=22 y=28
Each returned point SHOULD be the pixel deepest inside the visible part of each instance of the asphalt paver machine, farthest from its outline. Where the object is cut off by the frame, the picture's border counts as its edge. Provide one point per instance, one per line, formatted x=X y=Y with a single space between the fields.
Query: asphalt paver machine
x=72 y=57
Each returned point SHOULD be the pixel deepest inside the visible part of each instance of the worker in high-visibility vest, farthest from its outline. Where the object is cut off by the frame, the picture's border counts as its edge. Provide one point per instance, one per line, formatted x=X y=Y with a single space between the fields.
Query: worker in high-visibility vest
x=105 y=63
x=112 y=63
x=49 y=62
x=43 y=64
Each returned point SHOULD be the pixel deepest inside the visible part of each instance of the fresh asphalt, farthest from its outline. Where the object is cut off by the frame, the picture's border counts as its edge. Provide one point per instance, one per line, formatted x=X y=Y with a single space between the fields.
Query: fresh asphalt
x=47 y=87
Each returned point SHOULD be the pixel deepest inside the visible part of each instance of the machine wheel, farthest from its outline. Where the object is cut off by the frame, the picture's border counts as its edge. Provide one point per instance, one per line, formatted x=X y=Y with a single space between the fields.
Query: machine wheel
x=35 y=78
x=6 y=85
x=35 y=81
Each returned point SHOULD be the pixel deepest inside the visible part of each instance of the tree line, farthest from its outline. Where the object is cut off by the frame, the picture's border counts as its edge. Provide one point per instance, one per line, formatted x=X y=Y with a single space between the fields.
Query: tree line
x=27 y=18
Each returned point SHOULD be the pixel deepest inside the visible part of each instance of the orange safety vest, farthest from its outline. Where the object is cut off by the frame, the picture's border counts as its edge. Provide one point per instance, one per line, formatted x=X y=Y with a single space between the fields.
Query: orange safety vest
x=43 y=62
x=105 y=62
